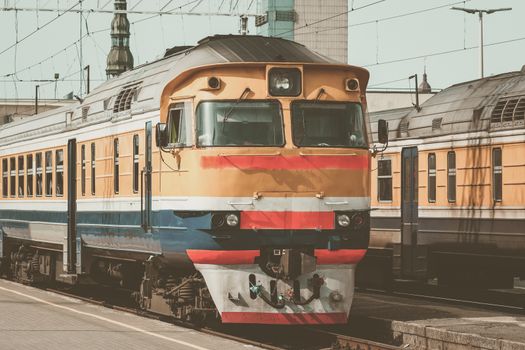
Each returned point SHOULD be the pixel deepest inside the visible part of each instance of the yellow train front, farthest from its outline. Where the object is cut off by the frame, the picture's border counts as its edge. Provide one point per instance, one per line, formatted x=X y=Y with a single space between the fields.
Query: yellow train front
x=266 y=168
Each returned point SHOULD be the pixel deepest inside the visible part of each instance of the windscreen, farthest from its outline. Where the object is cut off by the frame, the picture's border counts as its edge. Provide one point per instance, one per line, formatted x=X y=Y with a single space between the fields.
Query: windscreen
x=239 y=123
x=328 y=124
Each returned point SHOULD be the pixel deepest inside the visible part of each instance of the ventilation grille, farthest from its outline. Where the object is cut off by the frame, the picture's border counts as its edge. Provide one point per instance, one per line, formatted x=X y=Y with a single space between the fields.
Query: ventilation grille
x=125 y=97
x=85 y=111
x=403 y=127
x=436 y=124
x=508 y=113
x=285 y=16
x=261 y=20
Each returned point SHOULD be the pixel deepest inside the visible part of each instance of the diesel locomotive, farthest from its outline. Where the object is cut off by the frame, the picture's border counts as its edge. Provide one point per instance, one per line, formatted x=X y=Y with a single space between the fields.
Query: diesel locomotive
x=449 y=192
x=232 y=177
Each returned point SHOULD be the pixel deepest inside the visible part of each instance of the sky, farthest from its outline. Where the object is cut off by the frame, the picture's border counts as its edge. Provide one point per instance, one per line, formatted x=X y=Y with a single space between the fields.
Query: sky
x=384 y=37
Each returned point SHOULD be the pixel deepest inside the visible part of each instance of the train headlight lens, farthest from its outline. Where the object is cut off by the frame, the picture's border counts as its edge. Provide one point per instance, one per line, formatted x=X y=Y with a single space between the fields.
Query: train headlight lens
x=336 y=297
x=343 y=220
x=358 y=220
x=284 y=82
x=232 y=220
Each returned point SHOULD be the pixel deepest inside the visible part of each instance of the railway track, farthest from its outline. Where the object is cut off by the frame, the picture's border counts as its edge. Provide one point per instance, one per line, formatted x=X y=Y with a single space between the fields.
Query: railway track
x=262 y=336
x=497 y=300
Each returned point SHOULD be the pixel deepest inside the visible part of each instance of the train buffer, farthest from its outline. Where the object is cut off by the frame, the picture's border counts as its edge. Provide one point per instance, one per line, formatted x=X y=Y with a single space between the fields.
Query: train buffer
x=420 y=323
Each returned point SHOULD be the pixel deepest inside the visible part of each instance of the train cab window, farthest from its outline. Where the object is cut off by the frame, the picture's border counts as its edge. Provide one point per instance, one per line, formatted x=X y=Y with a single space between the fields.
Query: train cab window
x=451 y=176
x=136 y=163
x=328 y=124
x=21 y=182
x=83 y=169
x=5 y=178
x=384 y=180
x=12 y=173
x=239 y=123
x=39 y=173
x=116 y=172
x=432 y=177
x=497 y=172
x=29 y=175
x=49 y=173
x=179 y=126
x=59 y=167
x=93 y=169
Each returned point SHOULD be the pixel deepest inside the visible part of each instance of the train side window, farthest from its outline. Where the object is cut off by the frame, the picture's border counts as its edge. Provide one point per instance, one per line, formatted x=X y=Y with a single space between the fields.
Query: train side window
x=83 y=169
x=136 y=163
x=38 y=166
x=12 y=168
x=30 y=170
x=21 y=182
x=432 y=177
x=384 y=180
x=451 y=179
x=59 y=167
x=49 y=173
x=93 y=168
x=5 y=178
x=179 y=125
x=116 y=162
x=497 y=172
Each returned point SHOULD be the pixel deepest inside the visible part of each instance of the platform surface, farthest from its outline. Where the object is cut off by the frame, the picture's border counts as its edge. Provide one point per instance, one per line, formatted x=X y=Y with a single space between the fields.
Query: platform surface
x=434 y=324
x=35 y=319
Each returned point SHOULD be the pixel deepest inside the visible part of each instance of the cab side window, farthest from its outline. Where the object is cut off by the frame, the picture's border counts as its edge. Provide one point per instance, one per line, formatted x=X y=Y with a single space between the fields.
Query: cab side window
x=179 y=125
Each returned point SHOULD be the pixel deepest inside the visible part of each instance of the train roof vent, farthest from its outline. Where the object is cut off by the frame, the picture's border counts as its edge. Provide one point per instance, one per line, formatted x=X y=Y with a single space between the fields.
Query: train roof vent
x=436 y=124
x=85 y=111
x=519 y=113
x=403 y=127
x=495 y=117
x=508 y=112
x=124 y=98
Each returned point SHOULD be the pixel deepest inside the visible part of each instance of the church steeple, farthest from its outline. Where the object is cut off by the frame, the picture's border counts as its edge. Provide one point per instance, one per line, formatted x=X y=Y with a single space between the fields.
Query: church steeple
x=119 y=58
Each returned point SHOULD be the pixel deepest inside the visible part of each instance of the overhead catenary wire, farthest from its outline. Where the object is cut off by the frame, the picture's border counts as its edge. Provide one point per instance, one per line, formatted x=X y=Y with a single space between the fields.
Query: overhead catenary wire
x=442 y=52
x=40 y=28
x=384 y=19
x=330 y=17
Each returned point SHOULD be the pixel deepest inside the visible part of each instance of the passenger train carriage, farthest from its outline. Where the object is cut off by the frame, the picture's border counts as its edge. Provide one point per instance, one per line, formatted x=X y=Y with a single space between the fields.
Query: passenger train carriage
x=232 y=176
x=448 y=195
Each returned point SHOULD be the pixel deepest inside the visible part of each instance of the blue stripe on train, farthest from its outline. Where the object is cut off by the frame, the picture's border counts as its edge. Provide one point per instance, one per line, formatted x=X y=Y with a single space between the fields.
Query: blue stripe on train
x=122 y=230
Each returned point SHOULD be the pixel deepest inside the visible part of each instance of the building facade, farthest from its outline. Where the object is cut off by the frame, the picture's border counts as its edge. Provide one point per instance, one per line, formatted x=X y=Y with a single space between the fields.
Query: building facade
x=320 y=25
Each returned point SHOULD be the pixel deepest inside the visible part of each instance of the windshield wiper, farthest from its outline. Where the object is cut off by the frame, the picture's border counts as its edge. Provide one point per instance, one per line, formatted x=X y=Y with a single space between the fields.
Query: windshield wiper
x=227 y=114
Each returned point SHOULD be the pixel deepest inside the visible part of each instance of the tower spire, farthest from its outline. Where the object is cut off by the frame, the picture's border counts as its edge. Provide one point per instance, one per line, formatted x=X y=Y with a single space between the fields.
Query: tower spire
x=119 y=58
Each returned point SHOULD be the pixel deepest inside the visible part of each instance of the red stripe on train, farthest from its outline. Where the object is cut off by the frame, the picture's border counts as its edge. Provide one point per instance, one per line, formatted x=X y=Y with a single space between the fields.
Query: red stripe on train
x=254 y=162
x=222 y=257
x=291 y=220
x=283 y=318
x=238 y=257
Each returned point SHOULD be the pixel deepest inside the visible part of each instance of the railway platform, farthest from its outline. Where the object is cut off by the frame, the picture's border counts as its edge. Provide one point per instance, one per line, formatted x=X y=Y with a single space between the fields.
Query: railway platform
x=419 y=323
x=35 y=319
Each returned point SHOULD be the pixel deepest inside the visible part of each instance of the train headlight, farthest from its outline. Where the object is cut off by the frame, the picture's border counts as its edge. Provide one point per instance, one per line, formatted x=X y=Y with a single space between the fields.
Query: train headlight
x=232 y=220
x=358 y=220
x=343 y=220
x=336 y=297
x=284 y=82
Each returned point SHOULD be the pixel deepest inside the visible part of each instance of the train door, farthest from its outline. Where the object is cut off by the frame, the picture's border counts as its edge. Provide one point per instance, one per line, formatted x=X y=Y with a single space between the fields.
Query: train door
x=145 y=186
x=412 y=255
x=71 y=257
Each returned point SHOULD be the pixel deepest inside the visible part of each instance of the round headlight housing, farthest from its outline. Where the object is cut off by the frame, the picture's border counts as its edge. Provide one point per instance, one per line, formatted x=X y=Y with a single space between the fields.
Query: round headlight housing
x=343 y=220
x=232 y=220
x=284 y=82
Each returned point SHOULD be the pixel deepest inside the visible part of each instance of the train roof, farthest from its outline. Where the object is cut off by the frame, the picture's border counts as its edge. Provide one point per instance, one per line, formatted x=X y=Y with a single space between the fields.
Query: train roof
x=139 y=90
x=488 y=104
